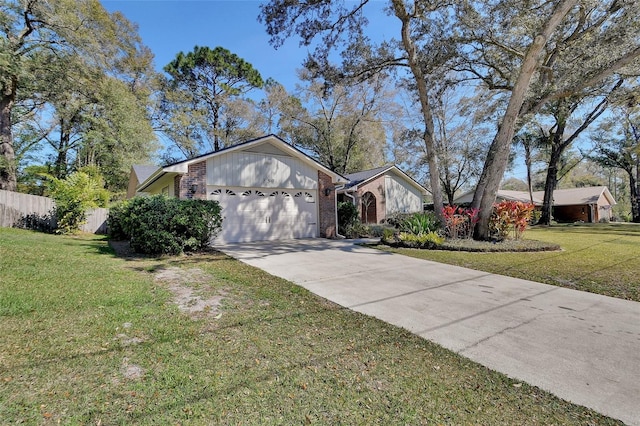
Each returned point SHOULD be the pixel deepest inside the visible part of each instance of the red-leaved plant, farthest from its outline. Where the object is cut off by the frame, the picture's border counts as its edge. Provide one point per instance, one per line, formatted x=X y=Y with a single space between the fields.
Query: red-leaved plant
x=459 y=222
x=510 y=216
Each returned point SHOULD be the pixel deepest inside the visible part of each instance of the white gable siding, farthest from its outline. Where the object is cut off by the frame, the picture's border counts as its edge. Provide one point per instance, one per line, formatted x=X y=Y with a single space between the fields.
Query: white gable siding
x=260 y=170
x=401 y=196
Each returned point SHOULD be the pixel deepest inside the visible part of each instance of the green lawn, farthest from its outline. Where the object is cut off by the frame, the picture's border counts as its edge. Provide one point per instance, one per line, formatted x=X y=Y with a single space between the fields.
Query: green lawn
x=89 y=338
x=599 y=258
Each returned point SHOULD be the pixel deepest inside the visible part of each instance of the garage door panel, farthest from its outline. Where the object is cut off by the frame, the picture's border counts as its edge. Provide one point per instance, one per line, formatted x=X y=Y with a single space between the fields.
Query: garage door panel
x=265 y=214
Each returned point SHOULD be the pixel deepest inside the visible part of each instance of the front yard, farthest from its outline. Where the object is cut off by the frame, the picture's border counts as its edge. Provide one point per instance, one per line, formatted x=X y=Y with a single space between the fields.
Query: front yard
x=599 y=258
x=90 y=338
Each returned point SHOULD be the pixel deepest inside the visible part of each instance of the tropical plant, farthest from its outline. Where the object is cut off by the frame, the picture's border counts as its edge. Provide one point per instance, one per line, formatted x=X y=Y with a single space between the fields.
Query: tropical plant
x=459 y=222
x=510 y=217
x=425 y=240
x=420 y=223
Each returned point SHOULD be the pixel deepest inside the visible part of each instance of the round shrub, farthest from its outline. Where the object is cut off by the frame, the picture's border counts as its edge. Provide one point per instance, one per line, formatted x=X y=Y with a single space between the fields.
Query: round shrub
x=161 y=225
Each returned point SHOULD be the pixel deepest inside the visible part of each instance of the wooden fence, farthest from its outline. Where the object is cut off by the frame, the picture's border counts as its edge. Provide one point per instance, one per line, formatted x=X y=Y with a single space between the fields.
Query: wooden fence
x=14 y=206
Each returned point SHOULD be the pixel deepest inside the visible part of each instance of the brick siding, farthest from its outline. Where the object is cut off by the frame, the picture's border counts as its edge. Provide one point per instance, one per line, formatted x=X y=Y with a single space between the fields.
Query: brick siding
x=196 y=177
x=326 y=206
x=376 y=187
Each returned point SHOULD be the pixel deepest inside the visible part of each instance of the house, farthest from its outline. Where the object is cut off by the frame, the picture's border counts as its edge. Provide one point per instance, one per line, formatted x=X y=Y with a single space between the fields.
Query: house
x=268 y=190
x=139 y=173
x=381 y=192
x=589 y=204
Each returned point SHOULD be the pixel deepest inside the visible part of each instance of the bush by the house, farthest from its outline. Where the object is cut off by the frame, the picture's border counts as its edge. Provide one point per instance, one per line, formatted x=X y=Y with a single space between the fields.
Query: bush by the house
x=348 y=215
x=161 y=225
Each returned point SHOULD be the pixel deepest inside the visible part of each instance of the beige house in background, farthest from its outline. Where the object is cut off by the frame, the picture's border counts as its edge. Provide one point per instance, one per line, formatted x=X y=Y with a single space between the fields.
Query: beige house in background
x=381 y=192
x=590 y=204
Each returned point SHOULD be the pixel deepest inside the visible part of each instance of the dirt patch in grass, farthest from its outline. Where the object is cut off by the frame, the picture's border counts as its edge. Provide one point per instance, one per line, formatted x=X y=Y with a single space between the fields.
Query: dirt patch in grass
x=181 y=283
x=189 y=287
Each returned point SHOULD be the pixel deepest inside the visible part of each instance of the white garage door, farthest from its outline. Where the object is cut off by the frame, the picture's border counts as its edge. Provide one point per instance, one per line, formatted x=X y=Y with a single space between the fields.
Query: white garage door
x=258 y=214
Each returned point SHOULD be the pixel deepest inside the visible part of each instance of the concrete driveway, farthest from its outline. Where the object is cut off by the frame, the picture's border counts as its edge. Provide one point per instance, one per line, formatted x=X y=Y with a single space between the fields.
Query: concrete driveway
x=580 y=346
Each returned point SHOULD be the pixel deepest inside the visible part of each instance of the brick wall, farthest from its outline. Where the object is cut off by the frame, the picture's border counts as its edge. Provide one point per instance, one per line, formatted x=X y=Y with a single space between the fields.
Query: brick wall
x=196 y=178
x=326 y=206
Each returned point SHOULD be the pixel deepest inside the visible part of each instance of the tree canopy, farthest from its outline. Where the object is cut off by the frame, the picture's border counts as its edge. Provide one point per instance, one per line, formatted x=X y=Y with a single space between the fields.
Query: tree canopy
x=200 y=106
x=63 y=64
x=527 y=54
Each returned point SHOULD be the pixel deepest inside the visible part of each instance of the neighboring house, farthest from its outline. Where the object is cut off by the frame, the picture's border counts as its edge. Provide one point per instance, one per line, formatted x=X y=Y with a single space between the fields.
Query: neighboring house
x=381 y=192
x=268 y=190
x=589 y=204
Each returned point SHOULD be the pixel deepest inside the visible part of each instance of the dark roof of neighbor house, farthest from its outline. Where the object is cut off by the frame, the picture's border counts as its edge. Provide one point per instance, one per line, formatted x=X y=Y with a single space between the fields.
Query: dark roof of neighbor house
x=363 y=176
x=143 y=171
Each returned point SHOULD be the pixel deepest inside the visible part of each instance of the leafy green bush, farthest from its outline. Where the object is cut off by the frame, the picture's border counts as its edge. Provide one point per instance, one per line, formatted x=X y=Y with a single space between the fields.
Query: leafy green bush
x=117 y=221
x=356 y=230
x=396 y=219
x=348 y=215
x=76 y=194
x=161 y=225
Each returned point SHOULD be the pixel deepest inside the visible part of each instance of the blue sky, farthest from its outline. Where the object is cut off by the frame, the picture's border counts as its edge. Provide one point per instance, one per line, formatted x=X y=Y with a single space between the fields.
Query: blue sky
x=170 y=26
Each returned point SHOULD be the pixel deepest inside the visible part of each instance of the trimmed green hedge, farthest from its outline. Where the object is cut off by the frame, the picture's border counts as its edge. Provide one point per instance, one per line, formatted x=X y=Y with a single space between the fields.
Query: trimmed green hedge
x=161 y=225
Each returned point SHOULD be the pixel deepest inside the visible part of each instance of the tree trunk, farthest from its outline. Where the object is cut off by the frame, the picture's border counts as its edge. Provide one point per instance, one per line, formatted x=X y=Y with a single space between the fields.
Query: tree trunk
x=60 y=165
x=634 y=193
x=550 y=186
x=8 y=169
x=413 y=60
x=498 y=155
x=527 y=161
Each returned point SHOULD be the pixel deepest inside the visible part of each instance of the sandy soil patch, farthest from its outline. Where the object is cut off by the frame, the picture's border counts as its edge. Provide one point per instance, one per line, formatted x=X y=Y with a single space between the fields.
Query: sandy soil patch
x=189 y=300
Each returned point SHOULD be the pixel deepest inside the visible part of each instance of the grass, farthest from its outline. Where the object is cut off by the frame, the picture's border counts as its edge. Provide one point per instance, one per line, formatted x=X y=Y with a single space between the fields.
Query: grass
x=599 y=258
x=274 y=354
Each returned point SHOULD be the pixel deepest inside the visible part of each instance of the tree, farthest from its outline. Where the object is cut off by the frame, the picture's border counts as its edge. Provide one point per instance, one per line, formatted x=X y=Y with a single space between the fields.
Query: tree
x=74 y=195
x=421 y=49
x=35 y=31
x=343 y=126
x=460 y=136
x=197 y=99
x=536 y=53
x=559 y=138
x=618 y=146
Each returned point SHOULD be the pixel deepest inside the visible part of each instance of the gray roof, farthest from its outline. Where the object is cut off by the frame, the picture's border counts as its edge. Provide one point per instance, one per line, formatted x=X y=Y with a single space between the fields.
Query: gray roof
x=579 y=196
x=143 y=171
x=561 y=197
x=363 y=176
